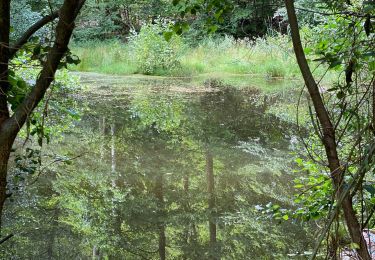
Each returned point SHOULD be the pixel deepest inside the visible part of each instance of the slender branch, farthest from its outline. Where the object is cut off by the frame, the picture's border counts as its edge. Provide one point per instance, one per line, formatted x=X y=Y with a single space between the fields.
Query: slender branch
x=64 y=30
x=346 y=193
x=347 y=13
x=33 y=29
x=328 y=136
x=6 y=238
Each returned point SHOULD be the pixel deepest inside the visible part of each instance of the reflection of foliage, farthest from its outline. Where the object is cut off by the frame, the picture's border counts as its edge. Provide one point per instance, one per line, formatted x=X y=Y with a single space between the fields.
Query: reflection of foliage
x=160 y=137
x=159 y=114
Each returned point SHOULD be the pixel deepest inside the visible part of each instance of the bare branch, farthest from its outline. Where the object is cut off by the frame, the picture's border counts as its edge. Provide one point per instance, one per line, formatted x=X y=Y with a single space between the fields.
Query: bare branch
x=6 y=238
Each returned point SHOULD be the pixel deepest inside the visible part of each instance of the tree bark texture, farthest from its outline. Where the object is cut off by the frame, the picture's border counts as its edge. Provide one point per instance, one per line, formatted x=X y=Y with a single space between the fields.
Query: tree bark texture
x=329 y=139
x=10 y=125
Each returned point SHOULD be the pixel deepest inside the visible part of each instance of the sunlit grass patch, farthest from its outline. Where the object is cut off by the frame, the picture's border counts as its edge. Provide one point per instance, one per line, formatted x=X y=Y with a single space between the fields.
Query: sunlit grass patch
x=109 y=57
x=269 y=57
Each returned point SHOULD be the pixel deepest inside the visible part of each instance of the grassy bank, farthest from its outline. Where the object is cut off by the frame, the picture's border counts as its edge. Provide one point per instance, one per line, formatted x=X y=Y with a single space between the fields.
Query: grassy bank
x=270 y=57
x=110 y=57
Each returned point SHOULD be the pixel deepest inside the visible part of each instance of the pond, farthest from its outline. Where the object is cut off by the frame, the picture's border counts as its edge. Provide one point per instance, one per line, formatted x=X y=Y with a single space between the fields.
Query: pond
x=164 y=169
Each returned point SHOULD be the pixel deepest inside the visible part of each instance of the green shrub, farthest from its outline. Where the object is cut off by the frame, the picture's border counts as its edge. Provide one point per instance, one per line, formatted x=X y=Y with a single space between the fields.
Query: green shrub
x=152 y=53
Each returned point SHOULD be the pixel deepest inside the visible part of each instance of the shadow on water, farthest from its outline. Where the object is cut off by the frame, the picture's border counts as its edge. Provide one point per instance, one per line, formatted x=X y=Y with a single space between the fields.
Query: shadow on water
x=164 y=171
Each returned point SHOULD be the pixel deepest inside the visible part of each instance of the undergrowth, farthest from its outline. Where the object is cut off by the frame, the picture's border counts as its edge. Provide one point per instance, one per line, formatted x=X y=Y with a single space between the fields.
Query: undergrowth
x=271 y=57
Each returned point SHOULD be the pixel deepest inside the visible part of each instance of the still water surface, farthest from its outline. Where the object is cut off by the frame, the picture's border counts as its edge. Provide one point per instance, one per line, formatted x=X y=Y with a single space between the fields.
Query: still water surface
x=163 y=169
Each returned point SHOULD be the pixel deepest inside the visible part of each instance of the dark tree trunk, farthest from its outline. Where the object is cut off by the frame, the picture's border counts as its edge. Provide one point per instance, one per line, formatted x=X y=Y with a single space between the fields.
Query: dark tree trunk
x=329 y=141
x=4 y=86
x=10 y=126
x=4 y=157
x=373 y=103
x=211 y=205
x=162 y=242
x=4 y=58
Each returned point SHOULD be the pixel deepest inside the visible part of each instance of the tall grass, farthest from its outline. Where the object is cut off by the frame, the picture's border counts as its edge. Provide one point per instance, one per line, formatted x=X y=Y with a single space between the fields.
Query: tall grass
x=110 y=57
x=269 y=57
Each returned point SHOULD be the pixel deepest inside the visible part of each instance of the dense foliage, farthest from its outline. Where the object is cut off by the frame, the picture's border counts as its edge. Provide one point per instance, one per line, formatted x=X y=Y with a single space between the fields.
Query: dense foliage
x=195 y=175
x=152 y=52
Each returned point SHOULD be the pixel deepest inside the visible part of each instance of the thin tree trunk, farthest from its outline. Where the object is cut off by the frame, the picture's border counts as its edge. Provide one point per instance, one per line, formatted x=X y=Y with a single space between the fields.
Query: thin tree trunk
x=4 y=58
x=4 y=157
x=51 y=239
x=186 y=209
x=159 y=194
x=102 y=136
x=95 y=253
x=211 y=205
x=113 y=149
x=10 y=126
x=4 y=87
x=162 y=242
x=329 y=141
x=373 y=103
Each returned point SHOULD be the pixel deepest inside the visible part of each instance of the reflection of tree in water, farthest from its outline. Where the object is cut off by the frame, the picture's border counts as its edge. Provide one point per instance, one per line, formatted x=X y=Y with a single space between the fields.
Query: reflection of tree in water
x=159 y=168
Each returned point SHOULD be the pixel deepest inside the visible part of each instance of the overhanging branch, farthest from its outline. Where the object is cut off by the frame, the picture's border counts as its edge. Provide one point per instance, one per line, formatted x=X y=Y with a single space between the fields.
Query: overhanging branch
x=64 y=30
x=33 y=29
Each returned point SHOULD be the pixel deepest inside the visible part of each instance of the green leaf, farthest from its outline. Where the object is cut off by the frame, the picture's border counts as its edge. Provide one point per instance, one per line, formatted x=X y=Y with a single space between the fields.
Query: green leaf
x=368 y=6
x=334 y=63
x=308 y=50
x=212 y=29
x=167 y=35
x=353 y=246
x=218 y=14
x=22 y=84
